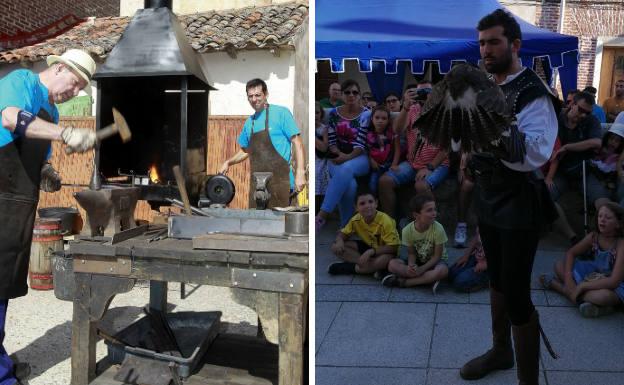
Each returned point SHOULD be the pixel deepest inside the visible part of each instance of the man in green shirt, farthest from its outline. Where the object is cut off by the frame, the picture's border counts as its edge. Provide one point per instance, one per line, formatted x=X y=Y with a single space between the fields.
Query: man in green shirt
x=334 y=97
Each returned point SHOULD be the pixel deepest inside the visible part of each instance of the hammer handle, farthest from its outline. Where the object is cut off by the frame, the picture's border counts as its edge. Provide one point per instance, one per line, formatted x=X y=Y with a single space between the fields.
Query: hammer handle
x=100 y=135
x=182 y=187
x=106 y=132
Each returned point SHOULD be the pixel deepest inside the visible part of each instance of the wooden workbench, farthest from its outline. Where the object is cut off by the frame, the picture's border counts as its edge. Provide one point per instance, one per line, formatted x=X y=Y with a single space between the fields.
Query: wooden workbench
x=103 y=270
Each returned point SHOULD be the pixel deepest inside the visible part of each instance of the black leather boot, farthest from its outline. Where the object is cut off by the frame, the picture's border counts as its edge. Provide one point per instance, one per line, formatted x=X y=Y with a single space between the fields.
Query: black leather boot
x=501 y=356
x=527 y=346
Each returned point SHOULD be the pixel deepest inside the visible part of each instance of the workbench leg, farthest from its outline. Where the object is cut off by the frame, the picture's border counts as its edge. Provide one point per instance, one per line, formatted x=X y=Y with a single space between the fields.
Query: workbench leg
x=83 y=334
x=158 y=296
x=291 y=339
x=92 y=297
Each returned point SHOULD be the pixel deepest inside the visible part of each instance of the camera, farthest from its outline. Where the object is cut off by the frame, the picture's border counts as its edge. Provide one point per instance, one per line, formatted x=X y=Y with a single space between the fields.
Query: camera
x=421 y=94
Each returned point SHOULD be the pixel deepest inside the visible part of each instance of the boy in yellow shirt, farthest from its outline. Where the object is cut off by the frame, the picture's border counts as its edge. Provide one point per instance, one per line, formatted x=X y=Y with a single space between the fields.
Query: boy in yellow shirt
x=376 y=244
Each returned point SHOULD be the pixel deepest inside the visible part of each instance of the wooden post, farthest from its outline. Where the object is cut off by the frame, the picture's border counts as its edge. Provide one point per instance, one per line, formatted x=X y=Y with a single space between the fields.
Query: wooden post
x=158 y=296
x=290 y=339
x=83 y=334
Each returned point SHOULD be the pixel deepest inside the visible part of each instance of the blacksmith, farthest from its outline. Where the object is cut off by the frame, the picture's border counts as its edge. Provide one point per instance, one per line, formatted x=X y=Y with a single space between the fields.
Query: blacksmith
x=269 y=149
x=513 y=202
x=29 y=123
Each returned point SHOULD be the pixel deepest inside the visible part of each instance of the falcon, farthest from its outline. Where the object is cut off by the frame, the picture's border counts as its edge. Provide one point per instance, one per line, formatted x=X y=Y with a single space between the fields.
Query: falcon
x=467 y=112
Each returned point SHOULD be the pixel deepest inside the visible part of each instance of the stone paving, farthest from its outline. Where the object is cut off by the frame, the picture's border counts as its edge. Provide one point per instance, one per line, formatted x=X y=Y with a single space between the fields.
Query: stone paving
x=368 y=334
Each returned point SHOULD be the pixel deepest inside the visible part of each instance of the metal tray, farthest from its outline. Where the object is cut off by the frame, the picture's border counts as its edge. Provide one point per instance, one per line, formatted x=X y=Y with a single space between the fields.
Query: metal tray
x=194 y=332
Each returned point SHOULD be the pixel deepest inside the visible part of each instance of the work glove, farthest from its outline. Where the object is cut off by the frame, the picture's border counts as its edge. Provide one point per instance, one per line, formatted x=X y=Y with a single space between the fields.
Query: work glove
x=50 y=179
x=78 y=139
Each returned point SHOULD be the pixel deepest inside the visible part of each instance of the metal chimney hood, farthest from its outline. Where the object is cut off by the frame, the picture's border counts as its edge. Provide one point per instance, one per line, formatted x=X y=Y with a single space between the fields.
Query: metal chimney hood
x=153 y=44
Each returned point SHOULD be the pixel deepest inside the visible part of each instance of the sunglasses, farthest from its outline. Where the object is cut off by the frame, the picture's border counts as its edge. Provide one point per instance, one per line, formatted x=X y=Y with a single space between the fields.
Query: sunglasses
x=392 y=100
x=367 y=97
x=354 y=93
x=582 y=110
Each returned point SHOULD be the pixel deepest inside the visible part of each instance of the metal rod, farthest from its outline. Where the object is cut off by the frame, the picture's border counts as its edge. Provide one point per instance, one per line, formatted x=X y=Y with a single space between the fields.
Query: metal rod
x=194 y=209
x=183 y=123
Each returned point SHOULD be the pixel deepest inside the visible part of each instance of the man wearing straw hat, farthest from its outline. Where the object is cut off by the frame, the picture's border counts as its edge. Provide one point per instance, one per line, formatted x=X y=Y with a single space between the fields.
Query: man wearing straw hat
x=29 y=123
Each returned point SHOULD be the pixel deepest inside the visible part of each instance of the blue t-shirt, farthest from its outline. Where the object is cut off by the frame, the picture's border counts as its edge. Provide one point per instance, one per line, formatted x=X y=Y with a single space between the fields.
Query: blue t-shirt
x=599 y=113
x=282 y=128
x=23 y=89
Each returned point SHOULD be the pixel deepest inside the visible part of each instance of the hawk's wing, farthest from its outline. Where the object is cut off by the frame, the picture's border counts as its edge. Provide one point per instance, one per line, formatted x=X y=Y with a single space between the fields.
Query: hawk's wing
x=465 y=111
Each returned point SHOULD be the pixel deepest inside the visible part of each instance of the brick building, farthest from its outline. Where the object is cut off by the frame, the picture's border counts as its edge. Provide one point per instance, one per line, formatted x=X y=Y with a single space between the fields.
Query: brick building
x=599 y=25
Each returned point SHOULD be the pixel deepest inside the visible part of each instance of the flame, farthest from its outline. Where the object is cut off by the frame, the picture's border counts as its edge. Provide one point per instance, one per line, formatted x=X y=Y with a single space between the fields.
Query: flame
x=153 y=174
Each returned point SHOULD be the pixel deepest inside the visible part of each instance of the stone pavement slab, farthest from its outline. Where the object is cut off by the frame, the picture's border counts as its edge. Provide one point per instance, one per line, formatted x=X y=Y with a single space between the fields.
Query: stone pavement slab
x=544 y=264
x=444 y=294
x=369 y=376
x=324 y=316
x=461 y=332
x=555 y=299
x=584 y=378
x=483 y=297
x=352 y=293
x=451 y=377
x=583 y=344
x=379 y=335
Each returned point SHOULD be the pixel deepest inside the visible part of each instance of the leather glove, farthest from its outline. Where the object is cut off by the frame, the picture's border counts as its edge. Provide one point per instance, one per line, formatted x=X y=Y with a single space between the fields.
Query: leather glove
x=78 y=139
x=50 y=179
x=513 y=145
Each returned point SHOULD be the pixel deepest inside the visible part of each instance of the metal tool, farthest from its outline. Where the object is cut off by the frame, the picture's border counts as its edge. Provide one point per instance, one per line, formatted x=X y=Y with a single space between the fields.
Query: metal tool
x=109 y=210
x=120 y=126
x=158 y=235
x=194 y=210
x=219 y=189
x=262 y=195
x=182 y=187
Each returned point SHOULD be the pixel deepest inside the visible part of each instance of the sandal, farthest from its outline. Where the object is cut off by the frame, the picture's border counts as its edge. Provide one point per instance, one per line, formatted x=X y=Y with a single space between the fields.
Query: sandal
x=546 y=280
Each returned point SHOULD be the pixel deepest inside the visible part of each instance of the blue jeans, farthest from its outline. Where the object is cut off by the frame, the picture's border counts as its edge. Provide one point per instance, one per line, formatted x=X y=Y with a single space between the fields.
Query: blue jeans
x=6 y=365
x=373 y=183
x=342 y=187
x=464 y=278
x=407 y=174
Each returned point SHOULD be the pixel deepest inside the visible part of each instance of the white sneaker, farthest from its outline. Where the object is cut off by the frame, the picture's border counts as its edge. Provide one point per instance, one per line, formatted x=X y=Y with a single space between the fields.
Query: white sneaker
x=434 y=288
x=460 y=234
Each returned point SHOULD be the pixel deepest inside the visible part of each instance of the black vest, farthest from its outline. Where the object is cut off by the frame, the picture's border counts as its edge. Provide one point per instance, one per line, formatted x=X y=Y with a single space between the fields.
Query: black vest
x=506 y=198
x=524 y=89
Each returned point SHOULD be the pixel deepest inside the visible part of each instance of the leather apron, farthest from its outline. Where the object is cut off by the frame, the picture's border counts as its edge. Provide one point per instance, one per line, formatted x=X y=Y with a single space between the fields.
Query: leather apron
x=264 y=158
x=20 y=175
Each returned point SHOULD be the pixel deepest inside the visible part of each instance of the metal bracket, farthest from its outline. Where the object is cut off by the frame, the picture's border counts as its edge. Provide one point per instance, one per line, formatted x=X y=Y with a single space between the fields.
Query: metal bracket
x=281 y=282
x=103 y=265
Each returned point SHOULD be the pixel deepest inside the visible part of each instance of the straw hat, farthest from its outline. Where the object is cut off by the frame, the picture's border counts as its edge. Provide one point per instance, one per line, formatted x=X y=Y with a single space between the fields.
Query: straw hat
x=80 y=61
x=617 y=127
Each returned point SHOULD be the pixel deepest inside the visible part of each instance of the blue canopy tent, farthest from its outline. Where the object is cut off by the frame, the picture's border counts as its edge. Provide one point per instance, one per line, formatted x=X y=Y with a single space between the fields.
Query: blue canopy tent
x=385 y=36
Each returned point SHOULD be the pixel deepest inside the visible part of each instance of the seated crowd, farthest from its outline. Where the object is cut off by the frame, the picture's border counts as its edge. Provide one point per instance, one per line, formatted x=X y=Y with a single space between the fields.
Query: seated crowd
x=366 y=152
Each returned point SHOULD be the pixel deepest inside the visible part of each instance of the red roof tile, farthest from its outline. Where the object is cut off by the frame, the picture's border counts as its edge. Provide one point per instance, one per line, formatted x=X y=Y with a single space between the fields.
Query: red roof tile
x=246 y=28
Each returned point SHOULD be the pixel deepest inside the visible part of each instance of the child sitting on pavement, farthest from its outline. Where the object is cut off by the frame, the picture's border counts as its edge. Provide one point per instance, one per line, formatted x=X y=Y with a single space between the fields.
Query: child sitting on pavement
x=425 y=241
x=378 y=239
x=469 y=272
x=596 y=284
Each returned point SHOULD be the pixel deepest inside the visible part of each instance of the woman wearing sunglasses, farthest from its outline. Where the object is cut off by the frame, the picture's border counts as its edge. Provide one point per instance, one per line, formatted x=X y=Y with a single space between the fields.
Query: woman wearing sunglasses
x=348 y=126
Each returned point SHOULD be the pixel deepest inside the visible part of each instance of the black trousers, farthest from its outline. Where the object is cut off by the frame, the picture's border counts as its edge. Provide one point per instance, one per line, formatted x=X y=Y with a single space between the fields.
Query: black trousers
x=510 y=255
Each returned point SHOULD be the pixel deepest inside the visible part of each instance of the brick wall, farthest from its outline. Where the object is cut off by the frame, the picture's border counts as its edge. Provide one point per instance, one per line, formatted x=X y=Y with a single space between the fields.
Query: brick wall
x=29 y=15
x=588 y=20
